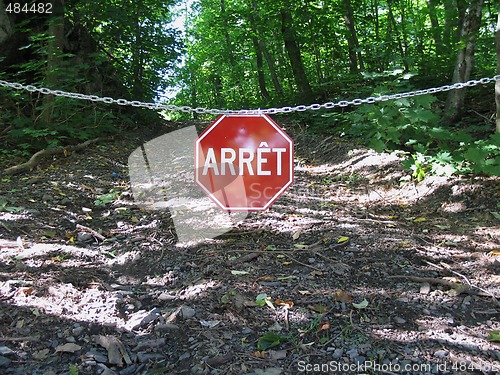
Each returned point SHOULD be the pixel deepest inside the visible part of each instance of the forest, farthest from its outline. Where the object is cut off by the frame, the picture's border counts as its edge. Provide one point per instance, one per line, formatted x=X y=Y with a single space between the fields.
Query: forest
x=249 y=55
x=381 y=257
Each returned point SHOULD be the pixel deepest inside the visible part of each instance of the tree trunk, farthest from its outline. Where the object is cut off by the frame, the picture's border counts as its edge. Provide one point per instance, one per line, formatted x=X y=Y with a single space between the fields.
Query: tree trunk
x=55 y=47
x=137 y=58
x=236 y=77
x=465 y=60
x=263 y=49
x=397 y=35
x=355 y=56
x=258 y=56
x=6 y=29
x=436 y=34
x=272 y=68
x=497 y=83
x=294 y=55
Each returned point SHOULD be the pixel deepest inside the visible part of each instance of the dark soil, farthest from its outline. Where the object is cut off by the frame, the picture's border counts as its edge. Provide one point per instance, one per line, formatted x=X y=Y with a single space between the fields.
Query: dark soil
x=363 y=270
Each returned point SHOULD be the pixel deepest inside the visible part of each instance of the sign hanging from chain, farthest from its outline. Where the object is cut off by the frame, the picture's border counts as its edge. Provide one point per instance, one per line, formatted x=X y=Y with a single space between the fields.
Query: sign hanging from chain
x=244 y=163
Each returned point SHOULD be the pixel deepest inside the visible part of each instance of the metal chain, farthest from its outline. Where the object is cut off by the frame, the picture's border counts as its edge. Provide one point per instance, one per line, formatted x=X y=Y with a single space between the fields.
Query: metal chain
x=215 y=111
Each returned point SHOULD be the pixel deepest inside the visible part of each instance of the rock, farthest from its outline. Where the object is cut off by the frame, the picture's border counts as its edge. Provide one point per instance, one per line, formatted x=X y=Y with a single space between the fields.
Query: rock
x=187 y=312
x=77 y=331
x=353 y=353
x=97 y=356
x=143 y=318
x=425 y=288
x=167 y=327
x=399 y=320
x=184 y=356
x=441 y=353
x=149 y=357
x=4 y=362
x=84 y=237
x=5 y=350
x=65 y=201
x=106 y=369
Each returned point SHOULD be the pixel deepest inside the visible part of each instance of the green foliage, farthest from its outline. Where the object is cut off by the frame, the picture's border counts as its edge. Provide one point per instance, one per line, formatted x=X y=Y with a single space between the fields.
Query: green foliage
x=104 y=199
x=412 y=125
x=73 y=370
x=4 y=207
x=270 y=340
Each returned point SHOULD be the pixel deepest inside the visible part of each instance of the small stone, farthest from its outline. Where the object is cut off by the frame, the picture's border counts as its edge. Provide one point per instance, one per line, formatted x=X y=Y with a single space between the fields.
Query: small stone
x=441 y=353
x=97 y=356
x=353 y=353
x=84 y=237
x=425 y=288
x=338 y=353
x=77 y=331
x=167 y=327
x=359 y=360
x=70 y=339
x=65 y=201
x=187 y=312
x=106 y=369
x=184 y=356
x=399 y=320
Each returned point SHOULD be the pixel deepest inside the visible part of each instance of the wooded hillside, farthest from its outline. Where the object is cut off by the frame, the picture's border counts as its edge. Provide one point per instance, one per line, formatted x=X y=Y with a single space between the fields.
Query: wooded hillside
x=257 y=54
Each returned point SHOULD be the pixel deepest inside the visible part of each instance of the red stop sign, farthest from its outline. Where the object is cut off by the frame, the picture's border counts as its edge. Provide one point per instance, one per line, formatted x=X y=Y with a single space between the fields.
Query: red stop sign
x=244 y=162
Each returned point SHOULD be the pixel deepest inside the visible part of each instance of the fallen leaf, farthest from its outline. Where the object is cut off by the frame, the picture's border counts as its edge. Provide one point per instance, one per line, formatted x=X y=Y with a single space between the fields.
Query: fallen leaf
x=277 y=354
x=343 y=239
x=209 y=323
x=362 y=305
x=41 y=354
x=443 y=227
x=342 y=296
x=116 y=350
x=219 y=360
x=297 y=234
x=300 y=246
x=324 y=326
x=494 y=253
x=237 y=273
x=419 y=220
x=266 y=278
x=260 y=354
x=68 y=348
x=280 y=302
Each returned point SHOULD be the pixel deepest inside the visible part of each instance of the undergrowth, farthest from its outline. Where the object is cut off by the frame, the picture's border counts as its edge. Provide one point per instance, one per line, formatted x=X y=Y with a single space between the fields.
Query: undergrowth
x=413 y=127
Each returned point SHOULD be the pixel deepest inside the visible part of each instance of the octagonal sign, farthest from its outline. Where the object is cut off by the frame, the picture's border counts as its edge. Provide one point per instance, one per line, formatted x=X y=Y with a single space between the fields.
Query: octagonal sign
x=244 y=162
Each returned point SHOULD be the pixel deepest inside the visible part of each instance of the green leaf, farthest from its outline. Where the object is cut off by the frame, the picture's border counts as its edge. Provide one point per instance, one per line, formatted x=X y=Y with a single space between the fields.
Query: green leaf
x=362 y=305
x=270 y=340
x=494 y=336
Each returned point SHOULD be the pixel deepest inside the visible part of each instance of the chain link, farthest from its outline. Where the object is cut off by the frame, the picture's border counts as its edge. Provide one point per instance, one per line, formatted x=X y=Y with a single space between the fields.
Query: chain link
x=215 y=111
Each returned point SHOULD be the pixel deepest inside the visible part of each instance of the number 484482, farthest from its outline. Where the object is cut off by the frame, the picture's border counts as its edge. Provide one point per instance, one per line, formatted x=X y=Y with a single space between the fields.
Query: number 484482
x=45 y=8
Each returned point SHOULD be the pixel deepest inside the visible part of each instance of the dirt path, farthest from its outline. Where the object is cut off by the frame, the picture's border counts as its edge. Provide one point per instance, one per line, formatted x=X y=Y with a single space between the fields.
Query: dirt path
x=351 y=271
